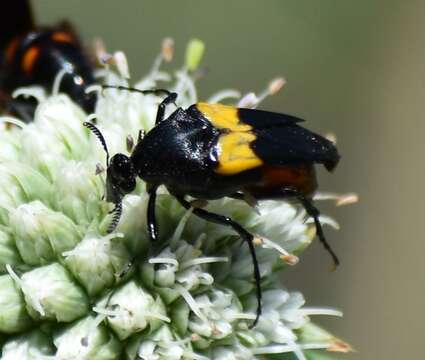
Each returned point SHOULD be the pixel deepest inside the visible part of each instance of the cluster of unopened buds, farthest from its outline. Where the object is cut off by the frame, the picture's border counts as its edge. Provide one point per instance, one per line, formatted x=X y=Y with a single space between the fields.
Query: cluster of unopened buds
x=62 y=295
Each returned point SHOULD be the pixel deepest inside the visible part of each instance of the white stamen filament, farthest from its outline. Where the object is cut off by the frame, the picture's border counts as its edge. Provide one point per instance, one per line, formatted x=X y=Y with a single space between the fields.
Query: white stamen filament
x=180 y=227
x=244 y=316
x=340 y=199
x=94 y=88
x=320 y=311
x=12 y=120
x=58 y=80
x=31 y=91
x=156 y=65
x=164 y=260
x=291 y=259
x=91 y=117
x=297 y=350
x=325 y=220
x=278 y=349
x=203 y=260
x=191 y=302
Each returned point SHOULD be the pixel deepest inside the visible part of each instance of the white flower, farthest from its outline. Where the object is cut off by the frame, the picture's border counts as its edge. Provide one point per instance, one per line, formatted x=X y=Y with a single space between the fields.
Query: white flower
x=194 y=300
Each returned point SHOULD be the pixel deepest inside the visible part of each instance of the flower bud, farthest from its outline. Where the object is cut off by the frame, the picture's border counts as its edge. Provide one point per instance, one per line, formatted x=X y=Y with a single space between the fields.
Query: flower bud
x=42 y=234
x=20 y=184
x=51 y=293
x=96 y=261
x=194 y=52
x=131 y=309
x=78 y=192
x=8 y=252
x=35 y=345
x=87 y=340
x=13 y=315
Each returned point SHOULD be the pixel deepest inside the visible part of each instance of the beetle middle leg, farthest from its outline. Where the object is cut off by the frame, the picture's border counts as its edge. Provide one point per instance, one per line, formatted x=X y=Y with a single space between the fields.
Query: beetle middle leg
x=244 y=234
x=152 y=225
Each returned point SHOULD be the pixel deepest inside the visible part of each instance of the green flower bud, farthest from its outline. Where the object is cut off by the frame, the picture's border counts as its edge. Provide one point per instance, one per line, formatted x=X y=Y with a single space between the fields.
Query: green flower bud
x=8 y=252
x=96 y=261
x=51 y=293
x=42 y=234
x=13 y=315
x=219 y=312
x=78 y=192
x=33 y=346
x=131 y=309
x=194 y=52
x=21 y=184
x=87 y=340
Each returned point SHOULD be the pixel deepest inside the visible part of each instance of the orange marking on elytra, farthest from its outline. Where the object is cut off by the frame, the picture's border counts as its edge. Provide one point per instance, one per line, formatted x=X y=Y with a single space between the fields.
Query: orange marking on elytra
x=11 y=49
x=61 y=36
x=29 y=58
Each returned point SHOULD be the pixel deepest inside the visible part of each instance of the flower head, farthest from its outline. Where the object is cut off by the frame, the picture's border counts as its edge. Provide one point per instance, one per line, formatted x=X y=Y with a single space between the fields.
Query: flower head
x=68 y=290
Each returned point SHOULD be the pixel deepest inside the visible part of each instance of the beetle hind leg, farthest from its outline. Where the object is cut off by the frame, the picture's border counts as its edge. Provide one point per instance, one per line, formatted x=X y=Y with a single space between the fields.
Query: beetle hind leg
x=244 y=234
x=314 y=213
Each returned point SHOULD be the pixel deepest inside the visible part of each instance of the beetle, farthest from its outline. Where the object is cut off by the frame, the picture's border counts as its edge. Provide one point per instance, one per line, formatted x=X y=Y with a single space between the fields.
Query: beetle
x=211 y=151
x=33 y=55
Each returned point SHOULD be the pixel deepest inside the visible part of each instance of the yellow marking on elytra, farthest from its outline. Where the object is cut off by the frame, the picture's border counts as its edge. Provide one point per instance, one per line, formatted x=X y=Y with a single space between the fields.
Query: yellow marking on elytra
x=235 y=154
x=223 y=116
x=234 y=151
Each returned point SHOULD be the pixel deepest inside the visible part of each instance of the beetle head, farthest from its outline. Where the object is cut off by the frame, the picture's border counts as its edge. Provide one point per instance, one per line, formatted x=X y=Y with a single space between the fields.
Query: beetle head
x=120 y=178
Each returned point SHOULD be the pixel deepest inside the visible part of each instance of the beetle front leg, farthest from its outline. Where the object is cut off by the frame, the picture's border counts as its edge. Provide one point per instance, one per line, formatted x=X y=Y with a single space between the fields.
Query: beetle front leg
x=152 y=225
x=171 y=98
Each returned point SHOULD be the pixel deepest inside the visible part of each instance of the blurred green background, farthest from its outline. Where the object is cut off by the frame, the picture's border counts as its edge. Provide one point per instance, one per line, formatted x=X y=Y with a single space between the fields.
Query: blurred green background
x=353 y=67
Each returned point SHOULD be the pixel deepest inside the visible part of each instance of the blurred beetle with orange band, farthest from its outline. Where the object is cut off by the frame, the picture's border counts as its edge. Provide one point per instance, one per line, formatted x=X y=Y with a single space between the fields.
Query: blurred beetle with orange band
x=34 y=55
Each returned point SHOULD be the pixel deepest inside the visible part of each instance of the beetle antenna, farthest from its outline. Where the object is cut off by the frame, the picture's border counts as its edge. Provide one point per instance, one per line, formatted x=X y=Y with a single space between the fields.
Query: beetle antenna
x=145 y=92
x=99 y=135
x=117 y=211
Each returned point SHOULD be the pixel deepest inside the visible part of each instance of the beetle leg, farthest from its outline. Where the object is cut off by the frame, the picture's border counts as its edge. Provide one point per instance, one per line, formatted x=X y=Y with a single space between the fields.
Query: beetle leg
x=314 y=213
x=171 y=98
x=152 y=226
x=288 y=193
x=244 y=234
